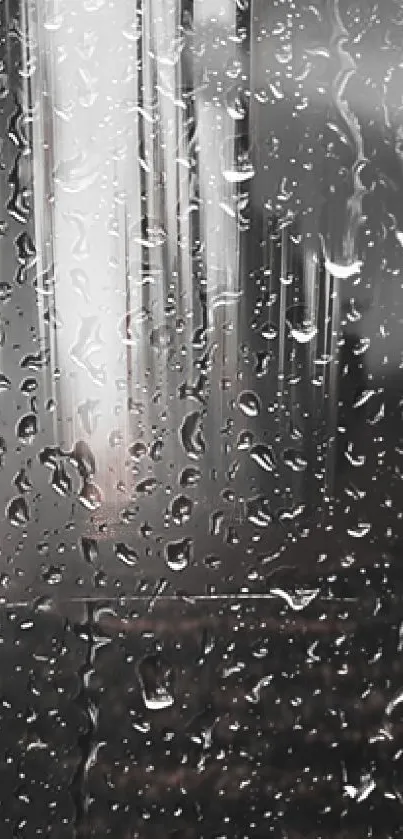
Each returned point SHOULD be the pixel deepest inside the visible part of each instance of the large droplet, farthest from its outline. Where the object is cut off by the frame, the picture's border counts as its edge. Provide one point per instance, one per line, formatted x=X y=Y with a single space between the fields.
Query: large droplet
x=5 y=383
x=264 y=456
x=17 y=511
x=191 y=435
x=178 y=554
x=61 y=481
x=90 y=495
x=125 y=554
x=190 y=477
x=27 y=428
x=155 y=676
x=89 y=548
x=294 y=460
x=257 y=511
x=249 y=403
x=181 y=509
x=83 y=459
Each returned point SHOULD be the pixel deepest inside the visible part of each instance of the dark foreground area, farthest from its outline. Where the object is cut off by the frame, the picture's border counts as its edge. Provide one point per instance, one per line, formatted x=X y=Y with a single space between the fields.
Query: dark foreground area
x=214 y=718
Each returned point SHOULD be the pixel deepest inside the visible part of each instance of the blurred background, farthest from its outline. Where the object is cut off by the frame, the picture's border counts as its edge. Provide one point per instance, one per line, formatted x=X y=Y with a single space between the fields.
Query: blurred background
x=200 y=418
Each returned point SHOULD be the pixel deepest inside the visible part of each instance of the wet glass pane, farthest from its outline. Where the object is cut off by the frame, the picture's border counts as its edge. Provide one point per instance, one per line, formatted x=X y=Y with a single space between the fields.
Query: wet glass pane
x=201 y=443
x=200 y=294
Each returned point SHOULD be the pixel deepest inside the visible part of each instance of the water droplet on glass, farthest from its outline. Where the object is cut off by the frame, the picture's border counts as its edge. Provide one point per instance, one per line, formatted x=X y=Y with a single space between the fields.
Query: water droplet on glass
x=264 y=456
x=249 y=403
x=27 y=428
x=22 y=481
x=237 y=166
x=125 y=554
x=181 y=509
x=17 y=511
x=89 y=548
x=138 y=450
x=190 y=477
x=5 y=383
x=155 y=676
x=178 y=554
x=90 y=495
x=257 y=511
x=244 y=440
x=294 y=460
x=191 y=435
x=61 y=481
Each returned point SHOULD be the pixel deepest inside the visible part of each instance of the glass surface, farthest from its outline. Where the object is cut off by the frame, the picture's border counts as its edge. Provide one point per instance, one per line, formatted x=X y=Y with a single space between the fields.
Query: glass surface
x=201 y=439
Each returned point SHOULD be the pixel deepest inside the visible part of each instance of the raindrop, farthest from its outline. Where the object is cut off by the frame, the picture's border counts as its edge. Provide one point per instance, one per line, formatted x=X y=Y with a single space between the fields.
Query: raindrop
x=237 y=166
x=294 y=460
x=297 y=600
x=5 y=383
x=362 y=529
x=191 y=435
x=27 y=428
x=161 y=338
x=89 y=549
x=89 y=415
x=125 y=554
x=28 y=386
x=22 y=481
x=257 y=511
x=17 y=511
x=269 y=331
x=156 y=450
x=249 y=403
x=178 y=554
x=83 y=459
x=216 y=521
x=90 y=495
x=190 y=477
x=138 y=450
x=61 y=481
x=244 y=440
x=264 y=456
x=156 y=682
x=181 y=509
x=236 y=103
